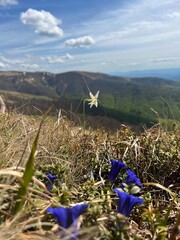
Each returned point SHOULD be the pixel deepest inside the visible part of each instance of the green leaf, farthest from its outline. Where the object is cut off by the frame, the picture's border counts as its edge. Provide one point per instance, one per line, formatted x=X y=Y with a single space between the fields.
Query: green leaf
x=165 y=220
x=27 y=176
x=134 y=190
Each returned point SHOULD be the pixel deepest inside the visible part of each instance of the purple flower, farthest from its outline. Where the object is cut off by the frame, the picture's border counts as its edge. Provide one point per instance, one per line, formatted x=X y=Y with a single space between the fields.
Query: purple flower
x=127 y=202
x=68 y=216
x=116 y=166
x=51 y=179
x=132 y=178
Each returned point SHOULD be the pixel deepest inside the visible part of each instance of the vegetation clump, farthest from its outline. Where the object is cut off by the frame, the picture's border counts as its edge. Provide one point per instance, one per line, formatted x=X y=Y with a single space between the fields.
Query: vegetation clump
x=60 y=181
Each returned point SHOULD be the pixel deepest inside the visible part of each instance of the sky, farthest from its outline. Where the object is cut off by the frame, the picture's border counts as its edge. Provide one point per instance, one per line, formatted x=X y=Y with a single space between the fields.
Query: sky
x=89 y=35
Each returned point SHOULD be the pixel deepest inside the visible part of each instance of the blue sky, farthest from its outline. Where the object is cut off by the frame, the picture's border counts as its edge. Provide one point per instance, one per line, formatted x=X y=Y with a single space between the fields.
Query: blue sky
x=89 y=35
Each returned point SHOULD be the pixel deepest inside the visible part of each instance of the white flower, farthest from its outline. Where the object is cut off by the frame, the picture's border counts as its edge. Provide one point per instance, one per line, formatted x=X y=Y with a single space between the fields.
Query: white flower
x=93 y=99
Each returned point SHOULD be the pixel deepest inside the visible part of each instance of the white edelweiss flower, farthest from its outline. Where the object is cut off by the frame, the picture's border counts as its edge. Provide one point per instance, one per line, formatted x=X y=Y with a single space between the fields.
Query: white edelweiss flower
x=93 y=99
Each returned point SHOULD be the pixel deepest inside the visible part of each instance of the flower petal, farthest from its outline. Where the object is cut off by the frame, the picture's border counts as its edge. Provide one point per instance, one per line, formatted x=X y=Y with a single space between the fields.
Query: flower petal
x=93 y=99
x=91 y=95
x=132 y=178
x=50 y=182
x=63 y=216
x=91 y=104
x=127 y=202
x=116 y=166
x=97 y=95
x=51 y=177
x=66 y=216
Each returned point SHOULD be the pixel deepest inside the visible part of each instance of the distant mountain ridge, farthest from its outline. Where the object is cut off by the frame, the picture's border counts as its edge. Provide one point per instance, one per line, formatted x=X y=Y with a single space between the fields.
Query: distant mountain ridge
x=170 y=73
x=126 y=99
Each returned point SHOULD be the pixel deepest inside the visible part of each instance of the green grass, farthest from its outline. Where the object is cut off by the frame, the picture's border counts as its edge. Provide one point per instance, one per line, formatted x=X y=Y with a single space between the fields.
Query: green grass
x=73 y=154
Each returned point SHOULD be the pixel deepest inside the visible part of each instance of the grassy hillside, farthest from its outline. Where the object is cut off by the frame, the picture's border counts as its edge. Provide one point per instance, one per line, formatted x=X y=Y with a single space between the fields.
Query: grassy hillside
x=129 y=100
x=80 y=162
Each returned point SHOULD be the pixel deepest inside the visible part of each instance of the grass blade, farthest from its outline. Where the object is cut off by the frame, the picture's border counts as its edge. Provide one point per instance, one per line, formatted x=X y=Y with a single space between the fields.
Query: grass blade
x=158 y=185
x=27 y=176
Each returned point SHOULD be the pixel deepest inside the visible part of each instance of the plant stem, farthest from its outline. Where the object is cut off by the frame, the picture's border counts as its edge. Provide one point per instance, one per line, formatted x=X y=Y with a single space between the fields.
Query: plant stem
x=84 y=114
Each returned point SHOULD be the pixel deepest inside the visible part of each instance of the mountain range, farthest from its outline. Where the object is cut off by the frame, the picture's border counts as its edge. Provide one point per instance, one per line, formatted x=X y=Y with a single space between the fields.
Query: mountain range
x=168 y=73
x=126 y=99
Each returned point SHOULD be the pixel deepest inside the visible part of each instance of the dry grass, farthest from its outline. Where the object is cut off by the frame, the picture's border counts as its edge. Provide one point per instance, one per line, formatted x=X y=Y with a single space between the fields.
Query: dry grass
x=72 y=153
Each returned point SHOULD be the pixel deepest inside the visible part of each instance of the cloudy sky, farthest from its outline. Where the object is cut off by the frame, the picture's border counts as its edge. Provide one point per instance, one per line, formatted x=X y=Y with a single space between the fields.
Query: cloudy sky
x=90 y=35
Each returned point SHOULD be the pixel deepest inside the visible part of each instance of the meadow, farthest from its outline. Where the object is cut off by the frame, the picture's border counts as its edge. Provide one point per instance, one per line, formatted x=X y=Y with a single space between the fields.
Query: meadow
x=61 y=181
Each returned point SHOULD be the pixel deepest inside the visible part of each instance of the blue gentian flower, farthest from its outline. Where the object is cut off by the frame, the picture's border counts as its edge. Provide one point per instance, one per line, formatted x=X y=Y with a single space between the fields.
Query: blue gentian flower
x=132 y=178
x=116 y=166
x=127 y=202
x=51 y=179
x=68 y=216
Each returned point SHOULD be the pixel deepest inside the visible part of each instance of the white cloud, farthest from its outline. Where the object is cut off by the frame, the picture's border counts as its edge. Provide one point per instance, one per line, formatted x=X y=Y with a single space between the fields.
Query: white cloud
x=68 y=56
x=43 y=22
x=57 y=59
x=104 y=63
x=138 y=34
x=146 y=25
x=8 y=2
x=166 y=59
x=52 y=59
x=5 y=60
x=174 y=14
x=130 y=33
x=2 y=65
x=81 y=41
x=17 y=64
x=29 y=66
x=137 y=19
x=10 y=61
